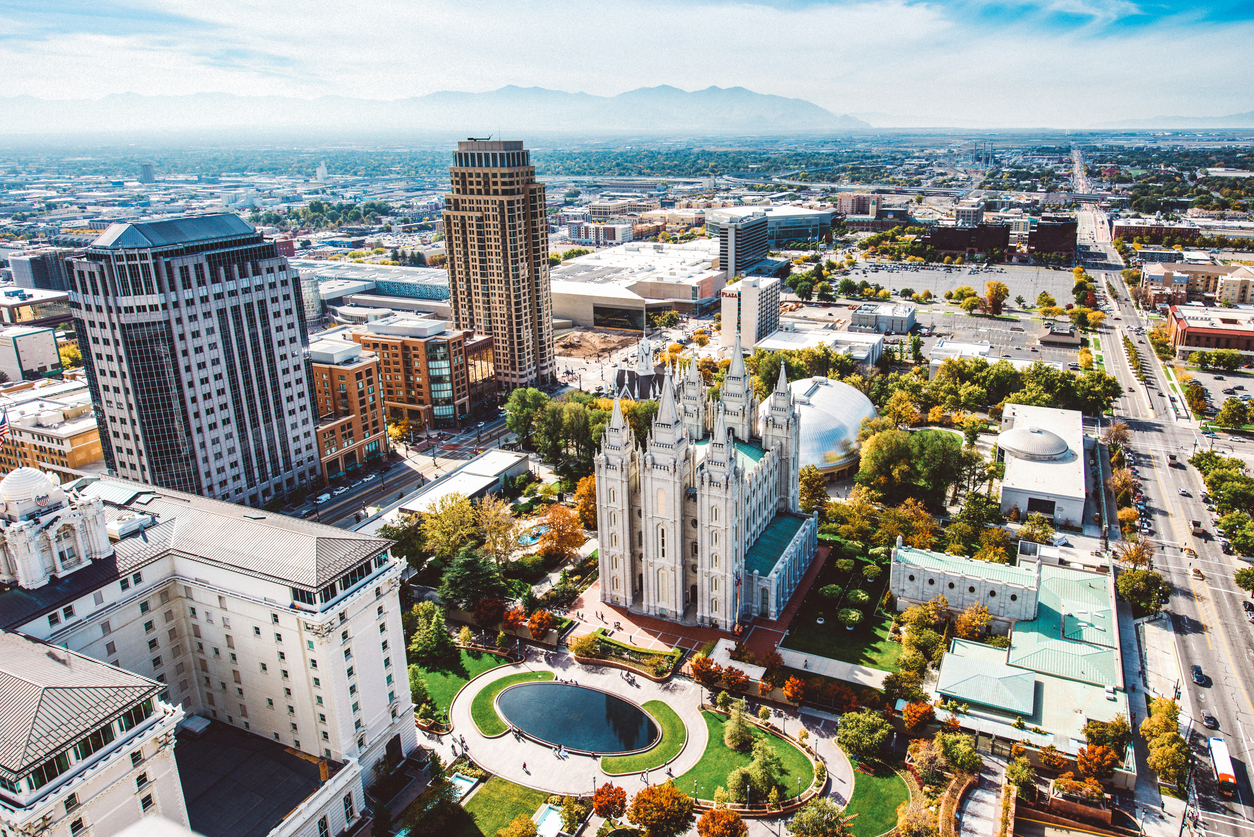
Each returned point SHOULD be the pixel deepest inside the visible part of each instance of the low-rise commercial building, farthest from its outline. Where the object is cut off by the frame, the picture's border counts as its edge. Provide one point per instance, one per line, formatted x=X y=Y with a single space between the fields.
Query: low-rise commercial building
x=600 y=235
x=348 y=394
x=28 y=353
x=1053 y=239
x=1175 y=284
x=432 y=376
x=1043 y=450
x=883 y=317
x=1152 y=231
x=865 y=348
x=1191 y=327
x=52 y=426
x=970 y=240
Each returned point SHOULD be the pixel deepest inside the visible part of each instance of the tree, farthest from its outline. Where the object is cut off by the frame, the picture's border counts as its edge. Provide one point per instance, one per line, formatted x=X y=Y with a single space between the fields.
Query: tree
x=1022 y=775
x=1044 y=300
x=736 y=734
x=735 y=679
x=820 y=817
x=71 y=357
x=794 y=689
x=1137 y=554
x=824 y=292
x=1052 y=758
x=500 y=529
x=489 y=611
x=972 y=622
x=522 y=826
x=1244 y=578
x=447 y=525
x=564 y=534
x=995 y=294
x=721 y=822
x=540 y=623
x=766 y=767
x=1144 y=590
x=418 y=692
x=1232 y=414
x=705 y=671
x=812 y=490
x=586 y=502
x=1169 y=758
x=1164 y=717
x=862 y=734
x=1115 y=734
x=914 y=819
x=1117 y=434
x=661 y=810
x=407 y=537
x=431 y=644
x=470 y=578
x=609 y=801
x=1037 y=529
x=917 y=716
x=573 y=813
x=1098 y=762
x=521 y=410
x=959 y=752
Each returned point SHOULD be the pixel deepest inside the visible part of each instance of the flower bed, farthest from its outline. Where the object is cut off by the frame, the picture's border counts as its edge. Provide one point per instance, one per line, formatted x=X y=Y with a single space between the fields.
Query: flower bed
x=656 y=665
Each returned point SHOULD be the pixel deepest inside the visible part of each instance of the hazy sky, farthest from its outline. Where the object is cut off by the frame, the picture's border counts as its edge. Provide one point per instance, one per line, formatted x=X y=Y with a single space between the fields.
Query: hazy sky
x=989 y=62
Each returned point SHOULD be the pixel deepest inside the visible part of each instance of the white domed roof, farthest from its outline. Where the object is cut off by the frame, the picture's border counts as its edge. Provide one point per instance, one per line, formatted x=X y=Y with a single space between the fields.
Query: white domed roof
x=831 y=416
x=1032 y=443
x=25 y=484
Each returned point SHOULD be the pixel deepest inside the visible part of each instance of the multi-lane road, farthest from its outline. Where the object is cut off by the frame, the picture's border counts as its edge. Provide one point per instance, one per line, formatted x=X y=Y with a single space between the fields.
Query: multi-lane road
x=1210 y=627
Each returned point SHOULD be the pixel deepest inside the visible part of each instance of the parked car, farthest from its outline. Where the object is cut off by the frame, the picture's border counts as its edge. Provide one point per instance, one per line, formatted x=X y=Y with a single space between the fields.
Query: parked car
x=322 y=498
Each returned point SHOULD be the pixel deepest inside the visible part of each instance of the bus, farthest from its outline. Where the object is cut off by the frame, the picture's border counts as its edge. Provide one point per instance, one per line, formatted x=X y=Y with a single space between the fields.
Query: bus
x=1225 y=778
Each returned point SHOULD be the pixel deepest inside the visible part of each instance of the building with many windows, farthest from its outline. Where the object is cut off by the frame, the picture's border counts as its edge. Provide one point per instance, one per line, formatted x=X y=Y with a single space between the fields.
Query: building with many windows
x=86 y=748
x=750 y=311
x=432 y=376
x=275 y=626
x=351 y=428
x=498 y=258
x=52 y=426
x=700 y=524
x=192 y=332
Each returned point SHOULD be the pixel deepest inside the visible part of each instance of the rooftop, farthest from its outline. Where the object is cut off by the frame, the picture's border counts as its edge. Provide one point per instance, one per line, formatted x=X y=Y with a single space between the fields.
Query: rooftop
x=642 y=261
x=747 y=454
x=1038 y=461
x=986 y=680
x=53 y=696
x=1073 y=635
x=175 y=231
x=1222 y=319
x=237 y=784
x=770 y=545
x=1001 y=573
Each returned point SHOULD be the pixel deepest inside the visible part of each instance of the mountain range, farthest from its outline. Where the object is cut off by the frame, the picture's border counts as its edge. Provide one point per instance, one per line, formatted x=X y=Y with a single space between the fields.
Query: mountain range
x=1233 y=120
x=654 y=111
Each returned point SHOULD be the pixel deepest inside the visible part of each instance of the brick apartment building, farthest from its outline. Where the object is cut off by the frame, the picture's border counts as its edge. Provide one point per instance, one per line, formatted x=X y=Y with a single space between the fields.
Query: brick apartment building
x=351 y=429
x=978 y=240
x=431 y=375
x=1053 y=239
x=1195 y=327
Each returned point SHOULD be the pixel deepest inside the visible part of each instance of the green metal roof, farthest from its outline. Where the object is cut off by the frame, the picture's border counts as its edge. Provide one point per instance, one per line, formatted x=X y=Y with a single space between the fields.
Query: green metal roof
x=770 y=545
x=988 y=683
x=1003 y=573
x=747 y=454
x=1074 y=633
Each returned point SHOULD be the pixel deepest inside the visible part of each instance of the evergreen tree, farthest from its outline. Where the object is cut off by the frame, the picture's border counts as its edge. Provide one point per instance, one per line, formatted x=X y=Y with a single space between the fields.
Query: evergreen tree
x=470 y=578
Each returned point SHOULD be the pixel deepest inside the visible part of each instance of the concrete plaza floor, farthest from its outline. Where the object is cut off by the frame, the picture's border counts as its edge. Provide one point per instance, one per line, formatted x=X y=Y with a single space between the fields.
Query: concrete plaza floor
x=506 y=756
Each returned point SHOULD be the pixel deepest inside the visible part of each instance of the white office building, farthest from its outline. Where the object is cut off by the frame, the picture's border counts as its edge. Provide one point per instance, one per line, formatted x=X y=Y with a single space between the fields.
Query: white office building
x=1043 y=449
x=750 y=311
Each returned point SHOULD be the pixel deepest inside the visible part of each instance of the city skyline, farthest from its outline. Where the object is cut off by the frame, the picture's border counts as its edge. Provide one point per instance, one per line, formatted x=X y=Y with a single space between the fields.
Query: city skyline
x=1035 y=63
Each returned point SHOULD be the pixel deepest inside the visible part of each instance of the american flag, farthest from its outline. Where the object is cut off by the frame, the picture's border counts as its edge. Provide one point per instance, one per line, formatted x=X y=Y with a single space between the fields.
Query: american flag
x=4 y=427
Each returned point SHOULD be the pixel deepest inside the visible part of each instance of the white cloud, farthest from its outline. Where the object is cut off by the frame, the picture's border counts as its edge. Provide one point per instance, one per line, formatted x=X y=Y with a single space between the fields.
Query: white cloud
x=925 y=58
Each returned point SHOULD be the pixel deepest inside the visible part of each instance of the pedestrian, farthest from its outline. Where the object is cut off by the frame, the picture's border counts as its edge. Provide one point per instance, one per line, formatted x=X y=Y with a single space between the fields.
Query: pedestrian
x=806 y=664
x=525 y=767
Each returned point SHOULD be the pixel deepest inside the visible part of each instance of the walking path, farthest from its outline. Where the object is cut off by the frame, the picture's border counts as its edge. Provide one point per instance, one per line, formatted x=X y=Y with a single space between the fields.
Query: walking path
x=980 y=815
x=835 y=669
x=505 y=756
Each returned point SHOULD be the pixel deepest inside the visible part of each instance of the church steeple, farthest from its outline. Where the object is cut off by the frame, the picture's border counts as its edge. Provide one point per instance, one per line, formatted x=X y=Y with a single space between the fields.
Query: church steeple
x=738 y=397
x=692 y=402
x=667 y=426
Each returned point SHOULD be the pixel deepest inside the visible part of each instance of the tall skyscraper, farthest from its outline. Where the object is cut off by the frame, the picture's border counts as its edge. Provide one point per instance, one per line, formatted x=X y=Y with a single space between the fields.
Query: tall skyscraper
x=147 y=174
x=193 y=336
x=497 y=240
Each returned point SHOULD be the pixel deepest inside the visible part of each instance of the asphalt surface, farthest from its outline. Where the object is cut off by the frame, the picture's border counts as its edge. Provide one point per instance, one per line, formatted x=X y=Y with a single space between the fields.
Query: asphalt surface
x=1211 y=629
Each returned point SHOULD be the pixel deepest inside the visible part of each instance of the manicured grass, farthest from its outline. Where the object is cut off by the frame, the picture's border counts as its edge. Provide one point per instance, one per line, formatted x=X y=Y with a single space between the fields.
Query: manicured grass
x=875 y=800
x=672 y=741
x=718 y=760
x=494 y=806
x=444 y=682
x=867 y=644
x=482 y=709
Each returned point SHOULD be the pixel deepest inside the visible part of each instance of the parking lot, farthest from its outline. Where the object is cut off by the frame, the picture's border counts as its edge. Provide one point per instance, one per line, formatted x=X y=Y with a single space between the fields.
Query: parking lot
x=1022 y=280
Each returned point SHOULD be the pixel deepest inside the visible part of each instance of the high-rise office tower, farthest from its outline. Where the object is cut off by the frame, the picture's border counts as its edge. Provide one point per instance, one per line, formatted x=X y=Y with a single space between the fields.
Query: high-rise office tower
x=497 y=240
x=193 y=336
x=147 y=174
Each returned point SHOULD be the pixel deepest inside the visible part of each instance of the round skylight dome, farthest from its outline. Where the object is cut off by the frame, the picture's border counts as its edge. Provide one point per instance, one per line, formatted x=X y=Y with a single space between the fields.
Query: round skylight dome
x=1034 y=443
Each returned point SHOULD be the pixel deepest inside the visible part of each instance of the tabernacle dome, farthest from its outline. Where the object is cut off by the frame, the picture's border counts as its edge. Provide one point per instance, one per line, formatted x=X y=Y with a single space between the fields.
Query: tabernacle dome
x=831 y=415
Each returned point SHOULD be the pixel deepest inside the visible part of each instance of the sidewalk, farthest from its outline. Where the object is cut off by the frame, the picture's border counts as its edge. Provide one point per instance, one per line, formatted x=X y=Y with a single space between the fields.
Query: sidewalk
x=835 y=669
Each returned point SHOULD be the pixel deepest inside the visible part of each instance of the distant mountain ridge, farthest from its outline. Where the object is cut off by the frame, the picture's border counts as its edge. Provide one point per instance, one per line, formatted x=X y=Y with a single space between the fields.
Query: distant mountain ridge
x=513 y=110
x=1232 y=120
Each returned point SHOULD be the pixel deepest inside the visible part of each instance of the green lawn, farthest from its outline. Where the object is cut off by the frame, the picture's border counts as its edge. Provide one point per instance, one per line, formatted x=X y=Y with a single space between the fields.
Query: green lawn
x=483 y=709
x=867 y=644
x=494 y=806
x=718 y=760
x=875 y=800
x=444 y=682
x=673 y=736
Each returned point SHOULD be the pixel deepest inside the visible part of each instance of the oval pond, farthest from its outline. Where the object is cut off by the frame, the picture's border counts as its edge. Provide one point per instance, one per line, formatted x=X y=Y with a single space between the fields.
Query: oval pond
x=577 y=717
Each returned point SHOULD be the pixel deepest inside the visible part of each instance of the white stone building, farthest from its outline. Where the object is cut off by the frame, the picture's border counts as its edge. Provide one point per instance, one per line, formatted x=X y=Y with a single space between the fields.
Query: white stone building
x=278 y=626
x=1043 y=449
x=85 y=748
x=700 y=523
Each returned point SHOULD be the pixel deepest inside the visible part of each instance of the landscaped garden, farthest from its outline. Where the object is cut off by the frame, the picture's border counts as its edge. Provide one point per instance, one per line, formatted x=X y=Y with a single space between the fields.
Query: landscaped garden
x=719 y=760
x=876 y=796
x=483 y=707
x=444 y=680
x=846 y=584
x=597 y=645
x=674 y=734
x=494 y=806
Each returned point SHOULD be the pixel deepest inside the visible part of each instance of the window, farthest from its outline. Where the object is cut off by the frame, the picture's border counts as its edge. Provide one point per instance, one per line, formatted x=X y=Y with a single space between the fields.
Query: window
x=105 y=628
x=324 y=829
x=54 y=619
x=269 y=703
x=146 y=803
x=137 y=757
x=77 y=827
x=143 y=607
x=661 y=539
x=264 y=669
x=349 y=813
x=141 y=781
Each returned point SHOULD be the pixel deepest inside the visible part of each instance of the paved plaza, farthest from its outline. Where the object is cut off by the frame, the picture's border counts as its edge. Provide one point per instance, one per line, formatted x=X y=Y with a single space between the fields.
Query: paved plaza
x=535 y=765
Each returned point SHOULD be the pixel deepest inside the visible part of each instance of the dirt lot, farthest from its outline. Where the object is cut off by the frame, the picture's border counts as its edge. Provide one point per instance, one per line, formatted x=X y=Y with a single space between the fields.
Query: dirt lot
x=590 y=343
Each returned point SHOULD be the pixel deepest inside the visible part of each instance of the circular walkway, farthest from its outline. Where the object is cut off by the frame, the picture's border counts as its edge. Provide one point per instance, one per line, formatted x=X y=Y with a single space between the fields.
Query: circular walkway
x=506 y=756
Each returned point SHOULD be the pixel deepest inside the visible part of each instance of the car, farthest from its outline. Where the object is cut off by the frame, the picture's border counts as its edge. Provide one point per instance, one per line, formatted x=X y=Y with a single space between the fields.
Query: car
x=1209 y=433
x=1131 y=389
x=1208 y=720
x=370 y=478
x=1229 y=391
x=336 y=492
x=1198 y=677
x=322 y=498
x=1238 y=386
x=1184 y=492
x=1160 y=395
x=1247 y=606
x=1220 y=378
